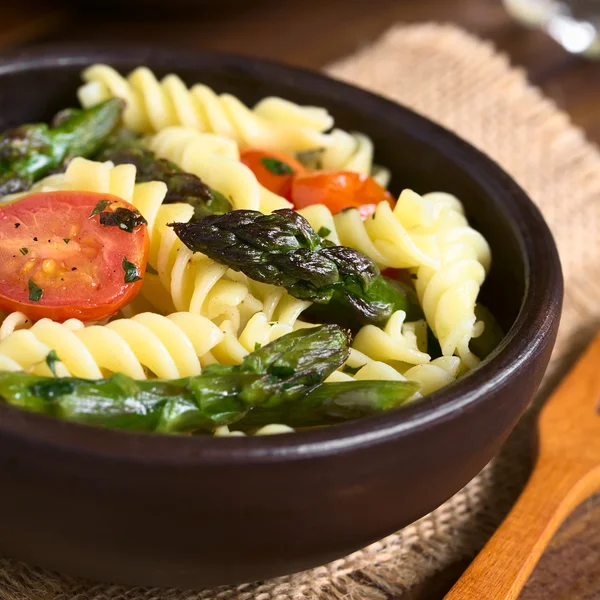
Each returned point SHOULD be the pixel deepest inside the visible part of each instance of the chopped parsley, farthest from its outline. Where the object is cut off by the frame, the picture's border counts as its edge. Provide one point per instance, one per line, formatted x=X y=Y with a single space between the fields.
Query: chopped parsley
x=99 y=207
x=35 y=291
x=351 y=370
x=24 y=251
x=324 y=231
x=66 y=240
x=276 y=166
x=123 y=218
x=51 y=361
x=257 y=346
x=131 y=271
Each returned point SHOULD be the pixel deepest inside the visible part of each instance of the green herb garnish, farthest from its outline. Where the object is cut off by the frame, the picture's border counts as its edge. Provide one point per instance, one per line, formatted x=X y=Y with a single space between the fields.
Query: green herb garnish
x=99 y=207
x=51 y=361
x=24 y=251
x=324 y=231
x=35 y=291
x=123 y=218
x=66 y=240
x=131 y=271
x=276 y=166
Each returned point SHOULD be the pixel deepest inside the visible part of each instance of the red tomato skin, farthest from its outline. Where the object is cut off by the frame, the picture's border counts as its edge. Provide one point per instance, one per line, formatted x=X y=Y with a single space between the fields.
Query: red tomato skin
x=64 y=295
x=278 y=184
x=339 y=190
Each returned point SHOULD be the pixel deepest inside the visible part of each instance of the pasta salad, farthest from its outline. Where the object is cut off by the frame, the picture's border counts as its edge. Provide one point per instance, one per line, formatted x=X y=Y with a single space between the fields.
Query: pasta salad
x=176 y=261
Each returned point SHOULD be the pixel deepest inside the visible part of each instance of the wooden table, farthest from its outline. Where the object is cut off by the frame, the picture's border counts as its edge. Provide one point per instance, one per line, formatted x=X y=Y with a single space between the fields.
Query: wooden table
x=312 y=33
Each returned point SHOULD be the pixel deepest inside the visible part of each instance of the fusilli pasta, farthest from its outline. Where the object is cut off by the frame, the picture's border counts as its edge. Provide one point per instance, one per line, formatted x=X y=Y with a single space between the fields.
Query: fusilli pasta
x=273 y=124
x=430 y=235
x=153 y=105
x=257 y=332
x=104 y=178
x=431 y=376
x=215 y=160
x=277 y=304
x=394 y=238
x=397 y=343
x=147 y=344
x=448 y=294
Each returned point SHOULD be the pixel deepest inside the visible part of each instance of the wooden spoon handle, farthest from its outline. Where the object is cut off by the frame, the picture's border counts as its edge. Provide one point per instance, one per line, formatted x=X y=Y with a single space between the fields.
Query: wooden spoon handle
x=504 y=565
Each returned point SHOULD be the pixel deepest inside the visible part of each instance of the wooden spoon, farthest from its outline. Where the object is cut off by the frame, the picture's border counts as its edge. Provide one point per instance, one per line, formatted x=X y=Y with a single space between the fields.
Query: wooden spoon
x=567 y=472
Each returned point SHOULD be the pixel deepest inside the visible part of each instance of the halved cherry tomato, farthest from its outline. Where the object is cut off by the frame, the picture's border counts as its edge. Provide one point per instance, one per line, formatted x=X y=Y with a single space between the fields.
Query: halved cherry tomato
x=274 y=170
x=339 y=190
x=58 y=260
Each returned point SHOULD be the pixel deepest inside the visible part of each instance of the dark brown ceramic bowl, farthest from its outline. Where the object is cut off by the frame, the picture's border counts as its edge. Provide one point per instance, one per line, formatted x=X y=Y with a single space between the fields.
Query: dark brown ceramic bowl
x=177 y=511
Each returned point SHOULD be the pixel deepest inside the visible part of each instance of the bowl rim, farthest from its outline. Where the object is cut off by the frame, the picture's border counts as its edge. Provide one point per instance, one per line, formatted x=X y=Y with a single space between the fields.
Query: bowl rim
x=538 y=314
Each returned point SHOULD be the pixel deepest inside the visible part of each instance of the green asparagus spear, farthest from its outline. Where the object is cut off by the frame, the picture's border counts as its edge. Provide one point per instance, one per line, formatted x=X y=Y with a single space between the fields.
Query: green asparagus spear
x=283 y=249
x=31 y=151
x=181 y=186
x=282 y=371
x=332 y=403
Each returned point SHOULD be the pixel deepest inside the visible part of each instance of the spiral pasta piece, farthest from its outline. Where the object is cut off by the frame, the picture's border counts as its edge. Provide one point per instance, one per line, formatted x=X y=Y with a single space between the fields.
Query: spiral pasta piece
x=431 y=376
x=259 y=331
x=395 y=238
x=284 y=112
x=365 y=369
x=145 y=345
x=12 y=322
x=435 y=375
x=352 y=151
x=448 y=294
x=216 y=160
x=395 y=344
x=105 y=178
x=277 y=303
x=431 y=235
x=273 y=124
x=153 y=105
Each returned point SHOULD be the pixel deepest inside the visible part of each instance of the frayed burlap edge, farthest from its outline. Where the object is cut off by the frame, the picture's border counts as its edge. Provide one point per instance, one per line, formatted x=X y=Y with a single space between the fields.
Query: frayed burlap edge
x=462 y=83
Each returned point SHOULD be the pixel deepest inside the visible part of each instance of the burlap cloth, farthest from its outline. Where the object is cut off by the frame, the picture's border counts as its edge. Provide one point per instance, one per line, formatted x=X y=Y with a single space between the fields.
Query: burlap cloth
x=464 y=84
